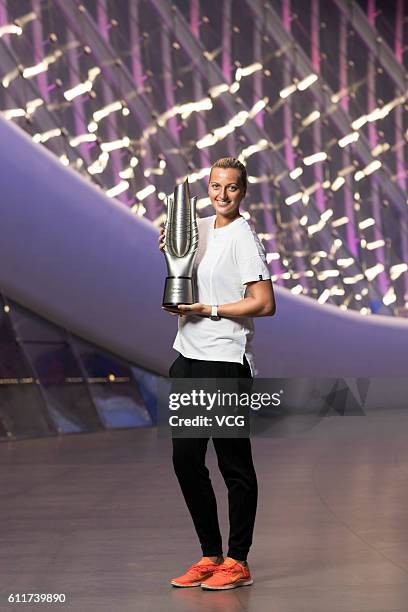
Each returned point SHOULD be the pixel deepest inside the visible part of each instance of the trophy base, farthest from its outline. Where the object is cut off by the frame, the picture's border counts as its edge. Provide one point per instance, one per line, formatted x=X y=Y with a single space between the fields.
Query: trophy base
x=178 y=290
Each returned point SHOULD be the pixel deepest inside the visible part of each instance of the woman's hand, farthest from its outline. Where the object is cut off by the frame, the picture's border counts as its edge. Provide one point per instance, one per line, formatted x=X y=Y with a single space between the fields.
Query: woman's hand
x=202 y=310
x=172 y=310
x=161 y=239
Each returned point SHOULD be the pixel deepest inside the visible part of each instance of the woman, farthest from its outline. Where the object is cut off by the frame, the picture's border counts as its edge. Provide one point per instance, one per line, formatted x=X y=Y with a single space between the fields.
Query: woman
x=214 y=341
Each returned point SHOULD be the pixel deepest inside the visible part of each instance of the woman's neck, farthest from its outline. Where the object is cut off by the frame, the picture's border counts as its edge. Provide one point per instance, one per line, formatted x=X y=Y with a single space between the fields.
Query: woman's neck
x=224 y=221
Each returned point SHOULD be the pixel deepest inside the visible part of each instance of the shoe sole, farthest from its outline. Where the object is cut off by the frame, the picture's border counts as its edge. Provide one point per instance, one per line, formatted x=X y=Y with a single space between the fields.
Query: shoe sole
x=227 y=587
x=185 y=586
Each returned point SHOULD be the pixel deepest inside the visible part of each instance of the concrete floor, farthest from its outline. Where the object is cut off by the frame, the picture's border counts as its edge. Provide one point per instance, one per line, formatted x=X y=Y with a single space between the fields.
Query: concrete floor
x=100 y=518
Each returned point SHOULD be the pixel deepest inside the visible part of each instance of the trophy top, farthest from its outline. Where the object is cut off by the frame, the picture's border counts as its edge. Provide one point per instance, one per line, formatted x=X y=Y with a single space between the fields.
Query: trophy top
x=182 y=192
x=181 y=226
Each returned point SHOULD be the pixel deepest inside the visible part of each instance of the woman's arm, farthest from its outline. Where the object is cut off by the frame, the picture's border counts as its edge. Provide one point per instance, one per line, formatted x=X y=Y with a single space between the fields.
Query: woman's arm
x=259 y=301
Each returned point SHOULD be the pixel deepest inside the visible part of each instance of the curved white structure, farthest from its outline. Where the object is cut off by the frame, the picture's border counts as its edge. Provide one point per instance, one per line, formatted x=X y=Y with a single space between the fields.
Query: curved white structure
x=85 y=262
x=306 y=338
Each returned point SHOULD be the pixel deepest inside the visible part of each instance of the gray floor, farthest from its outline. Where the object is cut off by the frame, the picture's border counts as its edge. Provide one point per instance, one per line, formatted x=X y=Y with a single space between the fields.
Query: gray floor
x=100 y=518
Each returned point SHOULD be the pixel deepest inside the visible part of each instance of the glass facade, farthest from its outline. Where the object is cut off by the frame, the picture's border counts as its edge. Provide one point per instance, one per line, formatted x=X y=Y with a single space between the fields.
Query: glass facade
x=52 y=382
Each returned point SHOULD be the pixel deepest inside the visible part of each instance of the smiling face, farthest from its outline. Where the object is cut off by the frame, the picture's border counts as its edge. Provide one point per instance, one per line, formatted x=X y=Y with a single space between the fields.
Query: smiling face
x=226 y=191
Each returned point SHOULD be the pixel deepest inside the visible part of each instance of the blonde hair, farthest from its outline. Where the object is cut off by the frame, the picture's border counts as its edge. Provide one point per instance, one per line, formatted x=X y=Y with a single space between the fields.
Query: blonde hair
x=232 y=162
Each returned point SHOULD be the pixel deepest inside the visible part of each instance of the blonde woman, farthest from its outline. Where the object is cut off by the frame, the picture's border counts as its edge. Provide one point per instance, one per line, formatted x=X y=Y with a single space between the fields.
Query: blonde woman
x=214 y=341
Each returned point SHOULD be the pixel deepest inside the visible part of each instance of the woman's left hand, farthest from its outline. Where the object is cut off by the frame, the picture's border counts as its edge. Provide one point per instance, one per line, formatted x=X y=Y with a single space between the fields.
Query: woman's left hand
x=195 y=309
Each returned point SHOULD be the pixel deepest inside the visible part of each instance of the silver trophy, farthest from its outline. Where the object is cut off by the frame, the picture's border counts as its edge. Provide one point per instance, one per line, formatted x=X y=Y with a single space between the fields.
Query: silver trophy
x=180 y=247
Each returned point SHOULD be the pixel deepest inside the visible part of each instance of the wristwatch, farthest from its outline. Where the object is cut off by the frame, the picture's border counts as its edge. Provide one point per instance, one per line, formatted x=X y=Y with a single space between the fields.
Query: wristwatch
x=214 y=313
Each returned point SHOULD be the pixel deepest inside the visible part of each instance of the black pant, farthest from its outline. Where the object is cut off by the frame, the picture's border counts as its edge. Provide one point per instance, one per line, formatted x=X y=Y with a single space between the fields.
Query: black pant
x=235 y=462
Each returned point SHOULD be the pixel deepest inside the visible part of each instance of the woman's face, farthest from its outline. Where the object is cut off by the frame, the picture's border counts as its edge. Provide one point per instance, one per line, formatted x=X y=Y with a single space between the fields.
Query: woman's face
x=226 y=191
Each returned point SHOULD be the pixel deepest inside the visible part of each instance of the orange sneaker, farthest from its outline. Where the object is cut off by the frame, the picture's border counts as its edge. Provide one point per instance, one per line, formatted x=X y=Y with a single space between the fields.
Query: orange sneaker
x=228 y=575
x=196 y=573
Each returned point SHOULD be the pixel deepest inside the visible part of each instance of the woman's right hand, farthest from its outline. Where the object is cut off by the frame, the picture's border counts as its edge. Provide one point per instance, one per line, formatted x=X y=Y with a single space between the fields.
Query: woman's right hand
x=161 y=239
x=162 y=242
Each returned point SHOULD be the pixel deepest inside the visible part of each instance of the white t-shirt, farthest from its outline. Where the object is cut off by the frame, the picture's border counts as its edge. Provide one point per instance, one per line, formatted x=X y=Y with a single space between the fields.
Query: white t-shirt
x=227 y=258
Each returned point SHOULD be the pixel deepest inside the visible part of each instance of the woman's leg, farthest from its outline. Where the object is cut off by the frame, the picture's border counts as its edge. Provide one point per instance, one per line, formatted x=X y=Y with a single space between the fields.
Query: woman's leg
x=194 y=479
x=193 y=476
x=235 y=462
x=236 y=465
